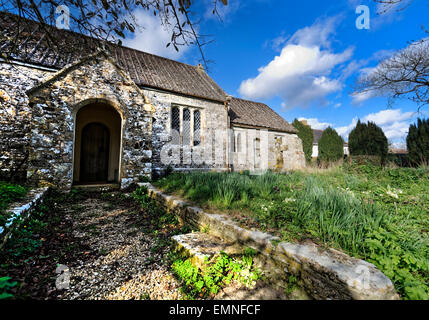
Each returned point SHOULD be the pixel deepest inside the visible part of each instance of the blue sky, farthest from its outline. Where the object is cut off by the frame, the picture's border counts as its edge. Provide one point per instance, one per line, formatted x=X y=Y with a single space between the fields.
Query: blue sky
x=301 y=57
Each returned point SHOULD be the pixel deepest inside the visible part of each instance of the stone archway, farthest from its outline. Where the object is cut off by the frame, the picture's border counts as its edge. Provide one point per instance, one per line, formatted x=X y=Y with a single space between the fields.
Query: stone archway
x=93 y=82
x=97 y=144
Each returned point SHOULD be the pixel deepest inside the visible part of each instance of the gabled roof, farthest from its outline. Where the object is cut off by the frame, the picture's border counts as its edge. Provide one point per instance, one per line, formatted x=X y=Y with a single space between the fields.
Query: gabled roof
x=146 y=70
x=255 y=114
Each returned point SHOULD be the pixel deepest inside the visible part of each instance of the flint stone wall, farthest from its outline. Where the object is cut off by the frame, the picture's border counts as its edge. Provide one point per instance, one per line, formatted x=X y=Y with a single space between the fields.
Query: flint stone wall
x=213 y=124
x=37 y=123
x=15 y=118
x=54 y=106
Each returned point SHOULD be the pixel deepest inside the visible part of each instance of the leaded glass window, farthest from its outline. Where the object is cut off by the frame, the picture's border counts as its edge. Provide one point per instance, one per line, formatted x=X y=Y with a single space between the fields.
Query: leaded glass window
x=175 y=125
x=197 y=128
x=186 y=133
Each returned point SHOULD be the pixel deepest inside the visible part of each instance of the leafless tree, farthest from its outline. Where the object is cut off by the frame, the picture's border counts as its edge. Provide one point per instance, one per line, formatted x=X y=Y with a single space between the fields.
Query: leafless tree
x=405 y=74
x=112 y=19
x=398 y=5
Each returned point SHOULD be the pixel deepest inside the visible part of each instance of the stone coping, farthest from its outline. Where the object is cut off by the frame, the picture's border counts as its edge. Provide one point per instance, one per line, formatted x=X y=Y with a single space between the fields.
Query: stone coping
x=324 y=274
x=24 y=206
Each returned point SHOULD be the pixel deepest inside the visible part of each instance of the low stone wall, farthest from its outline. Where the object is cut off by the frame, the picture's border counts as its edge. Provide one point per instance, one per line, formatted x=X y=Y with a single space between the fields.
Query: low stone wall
x=322 y=273
x=21 y=208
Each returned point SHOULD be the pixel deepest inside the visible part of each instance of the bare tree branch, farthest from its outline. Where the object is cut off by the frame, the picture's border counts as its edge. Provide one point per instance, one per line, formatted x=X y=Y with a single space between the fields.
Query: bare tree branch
x=405 y=74
x=110 y=19
x=388 y=5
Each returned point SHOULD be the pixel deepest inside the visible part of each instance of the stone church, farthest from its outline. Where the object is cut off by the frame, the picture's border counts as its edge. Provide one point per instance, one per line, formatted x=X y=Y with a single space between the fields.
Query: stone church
x=72 y=113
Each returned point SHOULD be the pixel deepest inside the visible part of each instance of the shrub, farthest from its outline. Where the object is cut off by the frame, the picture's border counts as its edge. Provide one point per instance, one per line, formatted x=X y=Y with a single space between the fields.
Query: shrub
x=368 y=139
x=418 y=142
x=305 y=133
x=331 y=146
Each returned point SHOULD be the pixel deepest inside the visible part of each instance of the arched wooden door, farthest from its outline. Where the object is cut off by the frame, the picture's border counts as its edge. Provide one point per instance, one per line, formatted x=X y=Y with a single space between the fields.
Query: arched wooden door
x=94 y=162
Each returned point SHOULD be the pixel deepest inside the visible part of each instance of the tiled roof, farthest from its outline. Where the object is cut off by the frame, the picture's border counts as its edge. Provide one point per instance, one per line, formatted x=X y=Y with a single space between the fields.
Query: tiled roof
x=145 y=69
x=257 y=114
x=317 y=135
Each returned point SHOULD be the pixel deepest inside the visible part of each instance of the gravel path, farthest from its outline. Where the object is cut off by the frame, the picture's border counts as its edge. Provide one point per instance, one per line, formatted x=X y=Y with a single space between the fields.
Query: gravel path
x=120 y=261
x=102 y=246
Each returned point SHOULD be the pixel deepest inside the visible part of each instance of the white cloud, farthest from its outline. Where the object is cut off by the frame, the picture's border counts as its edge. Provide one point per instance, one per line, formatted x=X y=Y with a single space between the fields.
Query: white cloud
x=153 y=37
x=344 y=131
x=277 y=43
x=301 y=73
x=360 y=97
x=389 y=116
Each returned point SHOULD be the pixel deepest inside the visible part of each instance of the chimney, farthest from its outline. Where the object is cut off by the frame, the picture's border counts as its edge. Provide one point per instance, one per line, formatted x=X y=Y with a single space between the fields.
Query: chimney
x=304 y=122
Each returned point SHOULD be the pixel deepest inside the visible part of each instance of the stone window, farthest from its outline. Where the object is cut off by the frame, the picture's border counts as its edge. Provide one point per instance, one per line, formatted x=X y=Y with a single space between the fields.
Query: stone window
x=232 y=142
x=257 y=153
x=185 y=126
x=238 y=143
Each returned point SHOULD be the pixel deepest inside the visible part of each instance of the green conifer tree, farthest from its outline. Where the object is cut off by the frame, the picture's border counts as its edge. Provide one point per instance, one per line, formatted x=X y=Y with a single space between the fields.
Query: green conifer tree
x=331 y=146
x=418 y=142
x=368 y=139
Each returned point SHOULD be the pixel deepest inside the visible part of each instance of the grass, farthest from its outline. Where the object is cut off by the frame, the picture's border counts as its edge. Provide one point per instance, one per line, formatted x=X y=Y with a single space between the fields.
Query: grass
x=9 y=193
x=380 y=215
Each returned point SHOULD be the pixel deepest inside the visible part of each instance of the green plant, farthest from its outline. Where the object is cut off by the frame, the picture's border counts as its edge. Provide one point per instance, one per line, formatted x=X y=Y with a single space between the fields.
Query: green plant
x=205 y=228
x=5 y=285
x=140 y=195
x=345 y=208
x=292 y=284
x=331 y=146
x=407 y=270
x=418 y=142
x=215 y=275
x=9 y=193
x=335 y=216
x=368 y=139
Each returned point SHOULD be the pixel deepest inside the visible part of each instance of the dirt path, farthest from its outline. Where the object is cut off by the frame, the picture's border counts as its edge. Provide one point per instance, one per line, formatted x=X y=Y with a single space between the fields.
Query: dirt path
x=102 y=246
x=92 y=246
x=118 y=260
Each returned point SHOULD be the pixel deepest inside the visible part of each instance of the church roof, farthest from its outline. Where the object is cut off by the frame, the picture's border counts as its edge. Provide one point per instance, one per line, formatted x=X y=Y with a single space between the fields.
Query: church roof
x=145 y=69
x=256 y=114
